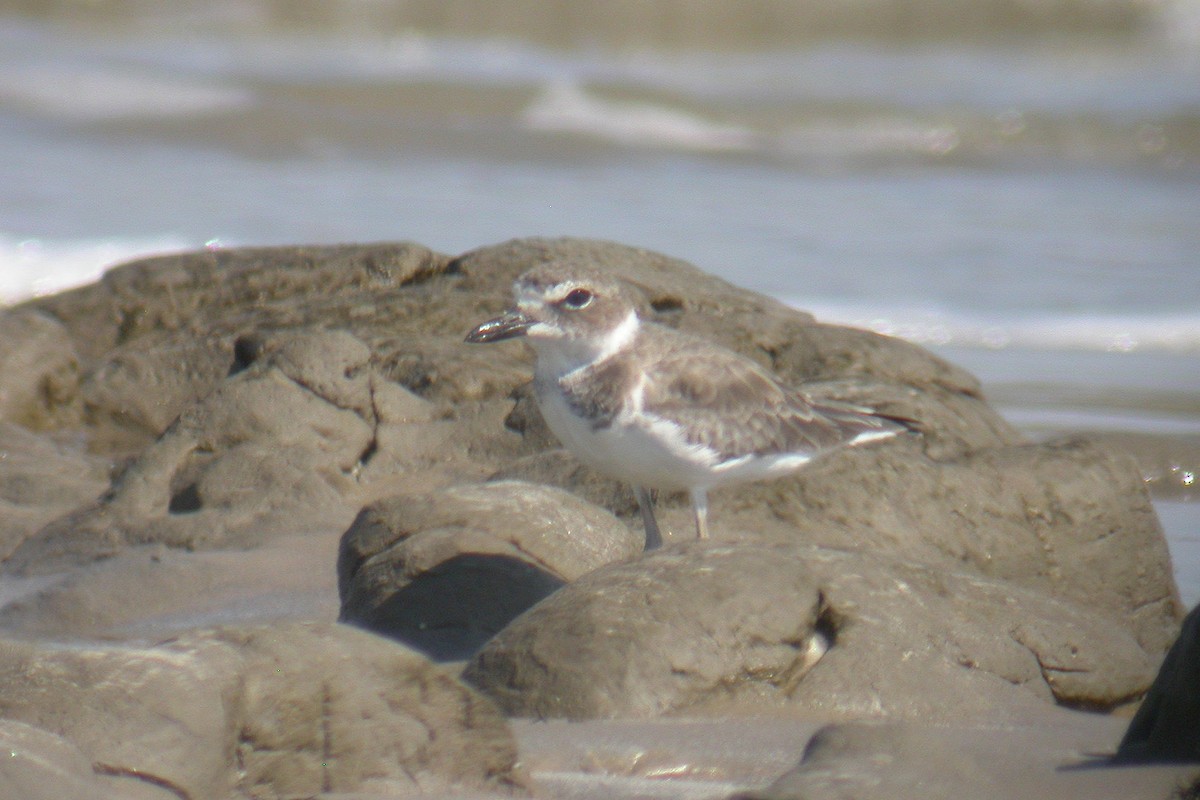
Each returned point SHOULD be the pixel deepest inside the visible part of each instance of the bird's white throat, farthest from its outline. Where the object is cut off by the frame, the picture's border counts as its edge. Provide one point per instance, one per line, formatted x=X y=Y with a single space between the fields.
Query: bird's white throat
x=566 y=351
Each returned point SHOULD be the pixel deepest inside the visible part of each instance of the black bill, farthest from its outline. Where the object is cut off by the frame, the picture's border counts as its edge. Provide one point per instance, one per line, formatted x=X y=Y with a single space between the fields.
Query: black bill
x=506 y=326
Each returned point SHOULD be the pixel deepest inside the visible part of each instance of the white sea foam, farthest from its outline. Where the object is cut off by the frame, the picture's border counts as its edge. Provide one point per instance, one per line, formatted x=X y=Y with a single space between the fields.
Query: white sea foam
x=1097 y=331
x=91 y=92
x=33 y=267
x=567 y=108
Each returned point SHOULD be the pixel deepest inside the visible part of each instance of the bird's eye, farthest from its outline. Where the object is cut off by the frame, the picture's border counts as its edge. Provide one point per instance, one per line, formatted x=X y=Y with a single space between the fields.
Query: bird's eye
x=577 y=299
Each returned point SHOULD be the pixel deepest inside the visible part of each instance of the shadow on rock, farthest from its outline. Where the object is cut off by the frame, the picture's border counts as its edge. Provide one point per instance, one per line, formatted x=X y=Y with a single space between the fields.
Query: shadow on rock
x=450 y=611
x=444 y=571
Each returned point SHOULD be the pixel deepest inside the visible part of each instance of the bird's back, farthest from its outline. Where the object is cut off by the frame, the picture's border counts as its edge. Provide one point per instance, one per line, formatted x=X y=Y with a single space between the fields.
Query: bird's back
x=718 y=399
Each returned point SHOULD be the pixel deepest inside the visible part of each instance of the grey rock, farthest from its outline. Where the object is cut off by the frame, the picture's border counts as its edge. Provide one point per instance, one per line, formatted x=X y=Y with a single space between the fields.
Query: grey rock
x=1070 y=518
x=832 y=633
x=444 y=571
x=38 y=765
x=276 y=442
x=42 y=477
x=39 y=371
x=140 y=388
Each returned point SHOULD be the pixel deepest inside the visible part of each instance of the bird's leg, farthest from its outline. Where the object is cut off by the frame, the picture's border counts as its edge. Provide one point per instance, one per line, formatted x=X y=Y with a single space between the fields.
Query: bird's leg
x=700 y=508
x=646 y=505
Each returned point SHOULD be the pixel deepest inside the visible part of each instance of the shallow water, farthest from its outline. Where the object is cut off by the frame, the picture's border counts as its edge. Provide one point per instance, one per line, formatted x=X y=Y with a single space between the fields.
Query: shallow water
x=1020 y=194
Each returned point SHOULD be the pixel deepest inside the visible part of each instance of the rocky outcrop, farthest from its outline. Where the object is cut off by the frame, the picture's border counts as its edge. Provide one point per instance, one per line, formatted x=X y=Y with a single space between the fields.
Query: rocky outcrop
x=239 y=399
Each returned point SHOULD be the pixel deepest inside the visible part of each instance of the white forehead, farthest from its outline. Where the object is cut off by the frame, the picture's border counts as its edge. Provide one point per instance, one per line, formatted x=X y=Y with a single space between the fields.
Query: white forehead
x=526 y=293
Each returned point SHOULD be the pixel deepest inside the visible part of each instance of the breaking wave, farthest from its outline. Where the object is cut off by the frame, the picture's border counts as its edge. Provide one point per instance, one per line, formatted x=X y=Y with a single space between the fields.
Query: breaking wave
x=1112 y=333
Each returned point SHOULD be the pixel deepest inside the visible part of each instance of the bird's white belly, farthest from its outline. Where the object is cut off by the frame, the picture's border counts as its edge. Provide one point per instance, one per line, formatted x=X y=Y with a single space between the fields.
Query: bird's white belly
x=624 y=449
x=650 y=452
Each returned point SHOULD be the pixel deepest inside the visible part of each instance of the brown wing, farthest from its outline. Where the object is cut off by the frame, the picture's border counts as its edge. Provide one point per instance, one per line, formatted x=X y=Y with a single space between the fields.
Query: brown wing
x=732 y=405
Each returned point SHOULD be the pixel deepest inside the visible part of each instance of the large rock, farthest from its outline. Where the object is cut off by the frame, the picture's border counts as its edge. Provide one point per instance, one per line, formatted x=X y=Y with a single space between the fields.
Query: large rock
x=831 y=633
x=444 y=571
x=262 y=712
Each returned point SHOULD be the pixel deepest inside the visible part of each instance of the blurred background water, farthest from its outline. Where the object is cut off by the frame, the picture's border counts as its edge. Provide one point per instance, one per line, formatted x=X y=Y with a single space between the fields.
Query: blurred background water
x=1016 y=185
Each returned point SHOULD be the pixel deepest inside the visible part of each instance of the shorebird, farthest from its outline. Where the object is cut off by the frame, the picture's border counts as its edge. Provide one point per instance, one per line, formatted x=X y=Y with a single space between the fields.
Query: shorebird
x=658 y=408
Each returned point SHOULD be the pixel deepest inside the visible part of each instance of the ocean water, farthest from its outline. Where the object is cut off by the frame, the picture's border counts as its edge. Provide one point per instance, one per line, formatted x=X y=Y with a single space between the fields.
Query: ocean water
x=1016 y=186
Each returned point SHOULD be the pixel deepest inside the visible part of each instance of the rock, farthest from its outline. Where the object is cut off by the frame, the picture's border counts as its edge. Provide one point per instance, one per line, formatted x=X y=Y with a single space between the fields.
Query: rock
x=1167 y=725
x=39 y=371
x=1047 y=757
x=263 y=712
x=277 y=442
x=1068 y=518
x=41 y=766
x=232 y=293
x=362 y=715
x=703 y=628
x=141 y=387
x=160 y=713
x=42 y=478
x=444 y=571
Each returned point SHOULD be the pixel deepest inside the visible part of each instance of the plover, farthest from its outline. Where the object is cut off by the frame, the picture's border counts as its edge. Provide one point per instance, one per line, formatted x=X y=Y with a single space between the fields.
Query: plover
x=659 y=408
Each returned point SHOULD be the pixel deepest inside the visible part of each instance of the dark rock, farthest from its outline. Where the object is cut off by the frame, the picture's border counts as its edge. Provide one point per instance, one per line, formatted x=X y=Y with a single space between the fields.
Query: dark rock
x=1045 y=756
x=1166 y=727
x=444 y=571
